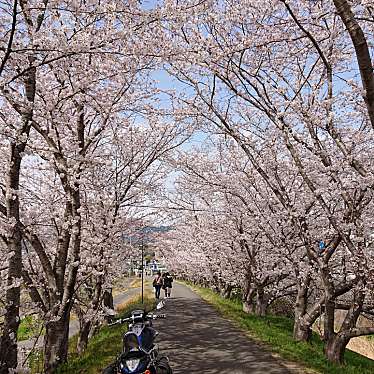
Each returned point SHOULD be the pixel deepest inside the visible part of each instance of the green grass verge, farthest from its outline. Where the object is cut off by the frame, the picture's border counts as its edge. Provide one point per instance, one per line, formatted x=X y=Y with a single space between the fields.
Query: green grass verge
x=276 y=333
x=29 y=327
x=102 y=348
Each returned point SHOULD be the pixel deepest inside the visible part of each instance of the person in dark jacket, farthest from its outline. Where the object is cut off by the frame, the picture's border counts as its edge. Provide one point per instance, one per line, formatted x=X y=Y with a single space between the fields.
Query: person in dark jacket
x=167 y=284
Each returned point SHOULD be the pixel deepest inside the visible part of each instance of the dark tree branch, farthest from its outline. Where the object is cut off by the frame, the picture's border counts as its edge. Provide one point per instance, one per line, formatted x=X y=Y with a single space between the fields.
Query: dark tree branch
x=362 y=53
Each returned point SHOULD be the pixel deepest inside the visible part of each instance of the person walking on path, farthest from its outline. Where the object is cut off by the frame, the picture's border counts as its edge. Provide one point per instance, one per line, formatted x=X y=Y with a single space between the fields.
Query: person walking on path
x=167 y=285
x=157 y=284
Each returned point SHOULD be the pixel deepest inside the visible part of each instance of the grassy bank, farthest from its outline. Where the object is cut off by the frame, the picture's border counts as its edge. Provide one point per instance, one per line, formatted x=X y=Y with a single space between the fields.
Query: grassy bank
x=29 y=327
x=102 y=348
x=276 y=333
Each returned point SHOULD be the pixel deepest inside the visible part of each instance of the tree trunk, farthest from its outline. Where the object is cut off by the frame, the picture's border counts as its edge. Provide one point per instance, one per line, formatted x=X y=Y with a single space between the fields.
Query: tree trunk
x=57 y=329
x=248 y=305
x=84 y=333
x=8 y=340
x=335 y=348
x=86 y=323
x=56 y=343
x=261 y=303
x=302 y=332
x=226 y=291
x=336 y=343
x=108 y=298
x=329 y=320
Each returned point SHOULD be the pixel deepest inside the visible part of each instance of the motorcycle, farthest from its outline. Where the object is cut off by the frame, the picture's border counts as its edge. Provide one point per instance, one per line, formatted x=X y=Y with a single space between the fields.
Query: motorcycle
x=139 y=354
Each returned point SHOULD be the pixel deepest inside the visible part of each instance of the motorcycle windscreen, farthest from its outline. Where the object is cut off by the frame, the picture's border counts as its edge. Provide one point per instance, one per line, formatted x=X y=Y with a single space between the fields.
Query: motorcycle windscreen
x=130 y=342
x=147 y=338
x=138 y=315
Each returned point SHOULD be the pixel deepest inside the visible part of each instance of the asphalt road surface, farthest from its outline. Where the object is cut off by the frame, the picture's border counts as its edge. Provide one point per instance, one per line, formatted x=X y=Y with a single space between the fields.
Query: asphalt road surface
x=197 y=340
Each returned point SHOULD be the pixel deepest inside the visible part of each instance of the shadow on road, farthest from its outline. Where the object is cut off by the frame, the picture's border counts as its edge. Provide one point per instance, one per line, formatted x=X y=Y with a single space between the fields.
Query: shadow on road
x=198 y=340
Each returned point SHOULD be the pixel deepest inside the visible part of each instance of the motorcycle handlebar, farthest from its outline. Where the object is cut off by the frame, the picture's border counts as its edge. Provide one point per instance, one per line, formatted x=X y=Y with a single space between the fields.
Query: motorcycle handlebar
x=155 y=316
x=119 y=321
x=150 y=316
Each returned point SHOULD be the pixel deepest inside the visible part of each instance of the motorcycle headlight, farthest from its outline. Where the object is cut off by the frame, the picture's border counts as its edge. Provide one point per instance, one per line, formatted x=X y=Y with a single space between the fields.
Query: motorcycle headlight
x=132 y=364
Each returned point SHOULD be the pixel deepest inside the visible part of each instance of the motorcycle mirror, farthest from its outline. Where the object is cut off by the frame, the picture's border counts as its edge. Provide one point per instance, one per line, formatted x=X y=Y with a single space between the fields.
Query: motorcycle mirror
x=109 y=312
x=160 y=305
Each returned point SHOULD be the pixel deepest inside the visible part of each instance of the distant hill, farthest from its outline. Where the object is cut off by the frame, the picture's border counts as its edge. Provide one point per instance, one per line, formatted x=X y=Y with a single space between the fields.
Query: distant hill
x=144 y=235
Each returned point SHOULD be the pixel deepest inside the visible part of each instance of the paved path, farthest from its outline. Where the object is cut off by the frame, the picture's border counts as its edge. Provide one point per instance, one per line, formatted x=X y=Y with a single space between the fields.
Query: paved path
x=197 y=340
x=117 y=300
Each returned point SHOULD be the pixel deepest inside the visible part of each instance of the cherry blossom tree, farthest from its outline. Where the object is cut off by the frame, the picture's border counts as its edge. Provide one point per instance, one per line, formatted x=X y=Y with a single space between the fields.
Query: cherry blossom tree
x=248 y=75
x=16 y=129
x=128 y=175
x=67 y=70
x=278 y=204
x=231 y=217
